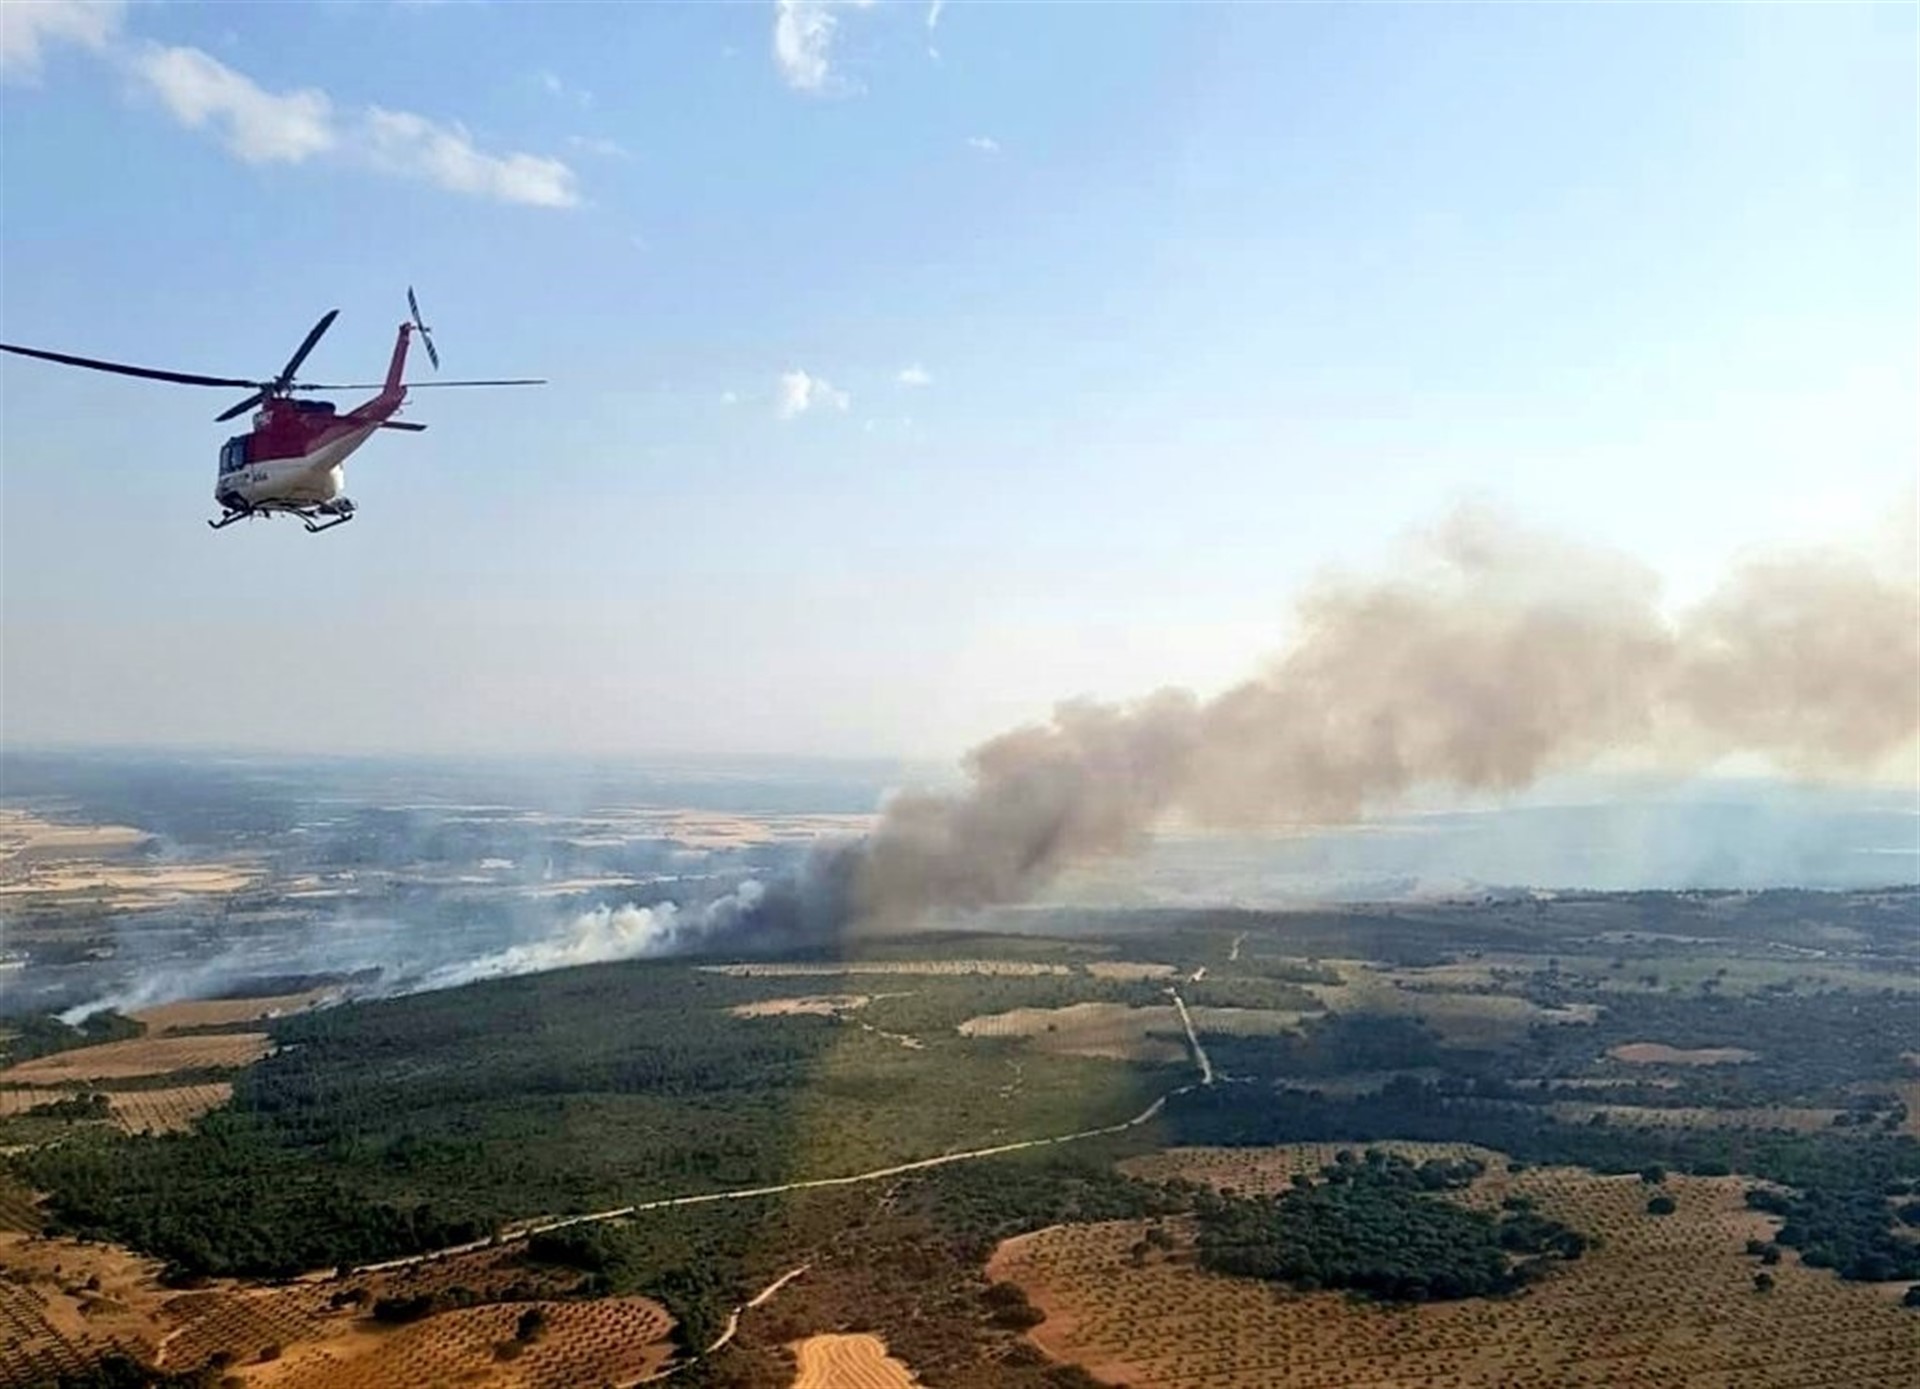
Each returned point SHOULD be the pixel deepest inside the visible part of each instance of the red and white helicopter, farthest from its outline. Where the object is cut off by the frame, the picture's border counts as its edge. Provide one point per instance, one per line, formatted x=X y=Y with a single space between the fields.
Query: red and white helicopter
x=289 y=461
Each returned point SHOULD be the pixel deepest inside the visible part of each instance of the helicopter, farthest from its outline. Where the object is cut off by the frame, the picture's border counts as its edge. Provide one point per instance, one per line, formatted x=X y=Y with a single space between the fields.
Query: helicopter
x=289 y=461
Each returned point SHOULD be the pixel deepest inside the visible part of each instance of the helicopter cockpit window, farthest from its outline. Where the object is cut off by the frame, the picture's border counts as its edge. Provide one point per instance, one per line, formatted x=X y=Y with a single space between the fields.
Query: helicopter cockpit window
x=233 y=454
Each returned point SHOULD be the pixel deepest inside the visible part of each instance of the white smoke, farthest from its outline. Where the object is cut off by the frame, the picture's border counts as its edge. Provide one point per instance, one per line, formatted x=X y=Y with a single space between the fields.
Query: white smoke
x=591 y=938
x=597 y=937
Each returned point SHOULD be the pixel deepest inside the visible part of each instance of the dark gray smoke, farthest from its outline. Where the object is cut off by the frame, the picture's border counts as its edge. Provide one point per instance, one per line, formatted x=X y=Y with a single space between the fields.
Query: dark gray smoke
x=1496 y=658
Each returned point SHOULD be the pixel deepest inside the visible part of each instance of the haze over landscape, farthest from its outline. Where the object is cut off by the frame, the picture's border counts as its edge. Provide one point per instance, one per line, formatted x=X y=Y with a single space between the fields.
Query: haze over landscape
x=1165 y=695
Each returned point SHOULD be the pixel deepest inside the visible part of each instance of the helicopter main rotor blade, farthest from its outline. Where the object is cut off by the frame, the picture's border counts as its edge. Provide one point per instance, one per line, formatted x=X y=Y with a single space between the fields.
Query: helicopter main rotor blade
x=182 y=378
x=300 y=354
x=416 y=385
x=242 y=407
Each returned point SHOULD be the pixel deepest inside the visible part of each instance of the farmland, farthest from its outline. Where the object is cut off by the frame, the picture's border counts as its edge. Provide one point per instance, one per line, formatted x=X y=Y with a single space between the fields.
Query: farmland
x=63 y=1304
x=610 y=1341
x=848 y=1362
x=228 y=1013
x=1659 y=1300
x=293 y=1193
x=141 y=1056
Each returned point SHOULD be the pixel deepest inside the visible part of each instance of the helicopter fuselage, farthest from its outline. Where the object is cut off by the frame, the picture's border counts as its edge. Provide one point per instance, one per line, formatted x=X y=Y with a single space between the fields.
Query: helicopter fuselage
x=263 y=467
x=290 y=460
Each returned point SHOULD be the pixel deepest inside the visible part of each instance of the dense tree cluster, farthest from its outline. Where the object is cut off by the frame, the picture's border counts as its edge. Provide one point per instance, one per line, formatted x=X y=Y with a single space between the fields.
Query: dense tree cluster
x=1844 y=1230
x=1813 y=1048
x=1841 y=1178
x=1330 y=1045
x=74 y=1108
x=1378 y=1227
x=42 y=1034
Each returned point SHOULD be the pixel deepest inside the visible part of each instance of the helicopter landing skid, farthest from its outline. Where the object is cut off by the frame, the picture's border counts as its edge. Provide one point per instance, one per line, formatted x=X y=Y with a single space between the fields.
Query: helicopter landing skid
x=336 y=513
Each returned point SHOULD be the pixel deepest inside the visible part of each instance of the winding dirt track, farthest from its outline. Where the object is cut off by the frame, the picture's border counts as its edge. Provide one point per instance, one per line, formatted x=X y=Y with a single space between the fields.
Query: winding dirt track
x=1200 y=1057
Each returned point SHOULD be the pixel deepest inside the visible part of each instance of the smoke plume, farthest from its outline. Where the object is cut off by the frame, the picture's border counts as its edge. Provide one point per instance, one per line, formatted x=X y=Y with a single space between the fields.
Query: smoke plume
x=591 y=938
x=1496 y=658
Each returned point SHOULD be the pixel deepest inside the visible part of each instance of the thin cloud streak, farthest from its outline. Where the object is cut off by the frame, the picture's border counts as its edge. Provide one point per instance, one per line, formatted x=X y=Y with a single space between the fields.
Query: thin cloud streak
x=258 y=126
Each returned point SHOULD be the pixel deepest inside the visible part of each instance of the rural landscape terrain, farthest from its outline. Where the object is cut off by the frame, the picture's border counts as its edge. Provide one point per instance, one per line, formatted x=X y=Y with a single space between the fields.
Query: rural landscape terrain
x=340 y=1078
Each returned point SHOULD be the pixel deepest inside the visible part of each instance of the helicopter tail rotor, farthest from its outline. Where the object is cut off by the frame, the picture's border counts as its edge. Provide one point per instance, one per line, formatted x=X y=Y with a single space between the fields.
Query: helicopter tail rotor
x=420 y=327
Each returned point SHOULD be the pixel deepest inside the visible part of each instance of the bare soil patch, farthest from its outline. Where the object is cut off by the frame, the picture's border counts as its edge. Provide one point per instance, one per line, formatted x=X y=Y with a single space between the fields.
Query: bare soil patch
x=141 y=1056
x=26 y=837
x=849 y=1362
x=1113 y=1030
x=1910 y=1093
x=811 y=1005
x=226 y=1012
x=1129 y=970
x=1660 y=1054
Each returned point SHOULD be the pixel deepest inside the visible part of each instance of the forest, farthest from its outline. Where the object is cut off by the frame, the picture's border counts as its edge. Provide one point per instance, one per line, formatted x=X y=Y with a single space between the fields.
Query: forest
x=393 y=1127
x=1841 y=1178
x=42 y=1034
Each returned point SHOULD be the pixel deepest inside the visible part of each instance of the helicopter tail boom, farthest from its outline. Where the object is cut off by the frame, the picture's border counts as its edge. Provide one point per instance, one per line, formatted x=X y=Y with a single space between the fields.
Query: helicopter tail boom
x=397 y=368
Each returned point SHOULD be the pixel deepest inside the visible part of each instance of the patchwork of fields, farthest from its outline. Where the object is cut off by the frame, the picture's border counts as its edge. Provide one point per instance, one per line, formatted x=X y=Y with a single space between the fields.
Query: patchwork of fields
x=997 y=1130
x=1660 y=1300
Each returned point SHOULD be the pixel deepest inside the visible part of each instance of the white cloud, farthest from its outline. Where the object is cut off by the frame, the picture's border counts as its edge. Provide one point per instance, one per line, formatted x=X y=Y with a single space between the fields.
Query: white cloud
x=933 y=13
x=595 y=144
x=803 y=40
x=986 y=144
x=254 y=124
x=28 y=27
x=729 y=397
x=800 y=393
x=400 y=142
x=263 y=127
x=915 y=375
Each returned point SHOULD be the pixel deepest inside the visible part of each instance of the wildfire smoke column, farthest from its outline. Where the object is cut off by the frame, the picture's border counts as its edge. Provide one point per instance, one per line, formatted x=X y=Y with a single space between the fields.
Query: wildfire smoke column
x=1495 y=657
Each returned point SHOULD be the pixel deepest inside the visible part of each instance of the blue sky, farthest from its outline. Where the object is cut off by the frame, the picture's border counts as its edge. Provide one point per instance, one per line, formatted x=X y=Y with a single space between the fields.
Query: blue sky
x=1112 y=325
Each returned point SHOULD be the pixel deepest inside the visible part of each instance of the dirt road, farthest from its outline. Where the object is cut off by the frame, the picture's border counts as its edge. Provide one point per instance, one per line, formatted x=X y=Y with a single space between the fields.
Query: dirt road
x=520 y=1232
